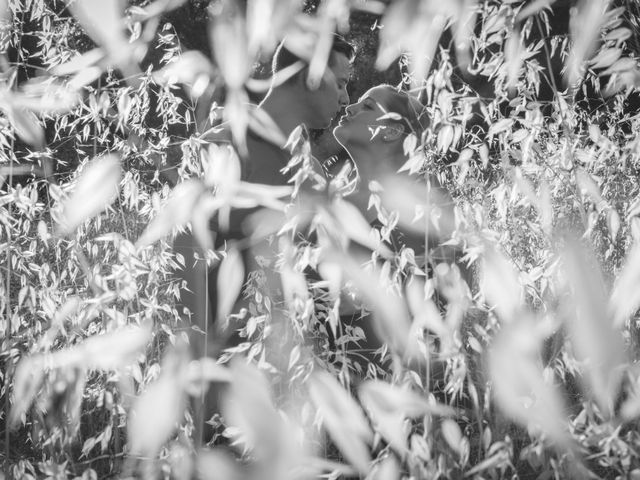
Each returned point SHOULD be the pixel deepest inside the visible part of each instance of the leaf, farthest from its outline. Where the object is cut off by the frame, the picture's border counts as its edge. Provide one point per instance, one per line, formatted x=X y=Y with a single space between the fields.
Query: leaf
x=452 y=435
x=249 y=406
x=104 y=22
x=109 y=350
x=605 y=57
x=69 y=307
x=222 y=169
x=401 y=399
x=187 y=69
x=354 y=225
x=85 y=77
x=414 y=27
x=545 y=207
x=27 y=380
x=425 y=312
x=585 y=28
x=397 y=19
x=389 y=405
x=463 y=32
x=26 y=125
x=621 y=65
x=500 y=285
x=95 y=189
x=405 y=196
x=207 y=369
x=264 y=126
x=343 y=419
x=106 y=351
x=500 y=126
x=230 y=279
x=500 y=459
x=445 y=137
x=532 y=8
x=618 y=35
x=5 y=11
x=215 y=464
x=155 y=414
x=138 y=14
x=588 y=186
x=519 y=387
x=80 y=63
x=238 y=114
x=313 y=466
x=388 y=469
x=514 y=53
x=594 y=340
x=176 y=213
x=483 y=151
x=229 y=43
x=301 y=36
x=322 y=49
x=625 y=297
x=294 y=283
x=613 y=223
x=391 y=318
x=45 y=97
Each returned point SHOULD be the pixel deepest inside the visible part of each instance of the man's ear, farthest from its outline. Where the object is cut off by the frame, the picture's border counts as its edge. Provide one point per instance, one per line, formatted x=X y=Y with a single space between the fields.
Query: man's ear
x=392 y=133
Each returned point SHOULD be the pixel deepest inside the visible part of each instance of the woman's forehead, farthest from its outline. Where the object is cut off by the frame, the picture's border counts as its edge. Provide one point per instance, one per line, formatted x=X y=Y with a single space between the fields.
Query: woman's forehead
x=380 y=94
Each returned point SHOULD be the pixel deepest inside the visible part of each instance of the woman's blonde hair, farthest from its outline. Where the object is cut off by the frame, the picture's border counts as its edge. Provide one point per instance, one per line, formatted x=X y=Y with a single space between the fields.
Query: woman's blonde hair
x=409 y=108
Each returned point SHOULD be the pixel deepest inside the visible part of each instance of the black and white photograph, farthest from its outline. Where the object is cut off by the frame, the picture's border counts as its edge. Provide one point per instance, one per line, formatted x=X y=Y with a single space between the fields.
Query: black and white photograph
x=319 y=239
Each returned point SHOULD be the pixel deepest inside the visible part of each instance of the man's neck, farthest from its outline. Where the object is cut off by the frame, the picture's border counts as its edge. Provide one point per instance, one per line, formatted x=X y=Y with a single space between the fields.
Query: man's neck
x=283 y=110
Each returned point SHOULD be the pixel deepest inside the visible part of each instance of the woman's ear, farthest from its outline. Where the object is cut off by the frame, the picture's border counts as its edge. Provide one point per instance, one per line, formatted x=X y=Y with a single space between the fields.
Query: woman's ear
x=392 y=133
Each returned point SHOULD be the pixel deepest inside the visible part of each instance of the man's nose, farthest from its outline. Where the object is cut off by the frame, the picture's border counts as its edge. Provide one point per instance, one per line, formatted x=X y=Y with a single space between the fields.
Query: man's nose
x=344 y=98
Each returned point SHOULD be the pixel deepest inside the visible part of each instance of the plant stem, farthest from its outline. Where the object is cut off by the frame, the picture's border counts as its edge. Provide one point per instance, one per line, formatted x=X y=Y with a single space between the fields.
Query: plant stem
x=7 y=310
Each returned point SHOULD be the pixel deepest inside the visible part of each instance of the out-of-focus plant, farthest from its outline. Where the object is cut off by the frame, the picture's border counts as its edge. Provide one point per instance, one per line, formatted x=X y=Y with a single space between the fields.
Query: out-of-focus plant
x=529 y=368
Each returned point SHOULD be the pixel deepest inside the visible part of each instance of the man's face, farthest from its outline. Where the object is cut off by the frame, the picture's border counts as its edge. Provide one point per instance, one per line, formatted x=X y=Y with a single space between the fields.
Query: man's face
x=327 y=100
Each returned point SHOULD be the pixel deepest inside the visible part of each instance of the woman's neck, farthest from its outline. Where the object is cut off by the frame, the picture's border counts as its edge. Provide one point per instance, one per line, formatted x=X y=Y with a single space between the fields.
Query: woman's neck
x=373 y=163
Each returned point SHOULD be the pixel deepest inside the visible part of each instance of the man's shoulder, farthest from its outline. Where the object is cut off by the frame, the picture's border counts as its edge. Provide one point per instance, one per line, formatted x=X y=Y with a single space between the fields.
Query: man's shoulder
x=265 y=162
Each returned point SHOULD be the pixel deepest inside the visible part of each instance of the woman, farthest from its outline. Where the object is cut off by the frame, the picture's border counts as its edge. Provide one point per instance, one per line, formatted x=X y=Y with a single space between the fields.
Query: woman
x=373 y=129
x=373 y=132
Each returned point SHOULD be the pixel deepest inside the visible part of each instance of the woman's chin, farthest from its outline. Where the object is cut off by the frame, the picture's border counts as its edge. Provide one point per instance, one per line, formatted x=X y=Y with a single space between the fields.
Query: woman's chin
x=340 y=134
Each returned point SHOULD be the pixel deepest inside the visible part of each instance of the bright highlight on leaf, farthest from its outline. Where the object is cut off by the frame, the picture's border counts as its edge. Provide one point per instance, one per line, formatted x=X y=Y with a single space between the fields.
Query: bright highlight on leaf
x=176 y=213
x=156 y=412
x=343 y=419
x=230 y=278
x=95 y=189
x=518 y=383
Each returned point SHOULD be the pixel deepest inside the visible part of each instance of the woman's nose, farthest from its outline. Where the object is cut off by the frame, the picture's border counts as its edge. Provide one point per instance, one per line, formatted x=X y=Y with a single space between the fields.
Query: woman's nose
x=351 y=109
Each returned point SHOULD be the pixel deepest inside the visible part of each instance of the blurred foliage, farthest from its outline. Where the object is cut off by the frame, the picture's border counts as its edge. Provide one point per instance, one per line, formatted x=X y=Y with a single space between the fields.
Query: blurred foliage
x=526 y=368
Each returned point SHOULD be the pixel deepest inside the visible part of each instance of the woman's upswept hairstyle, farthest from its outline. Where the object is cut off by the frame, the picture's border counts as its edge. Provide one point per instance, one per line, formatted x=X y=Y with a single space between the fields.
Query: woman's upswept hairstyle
x=413 y=112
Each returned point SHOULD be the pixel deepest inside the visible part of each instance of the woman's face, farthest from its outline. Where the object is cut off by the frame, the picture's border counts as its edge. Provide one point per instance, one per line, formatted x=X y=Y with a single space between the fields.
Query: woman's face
x=361 y=126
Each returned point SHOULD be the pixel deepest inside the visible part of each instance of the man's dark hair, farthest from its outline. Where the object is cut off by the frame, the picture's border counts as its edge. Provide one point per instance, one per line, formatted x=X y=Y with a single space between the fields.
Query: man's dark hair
x=284 y=58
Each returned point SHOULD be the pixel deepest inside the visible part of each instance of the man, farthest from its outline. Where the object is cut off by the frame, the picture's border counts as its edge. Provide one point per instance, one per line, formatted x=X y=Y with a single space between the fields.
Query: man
x=289 y=103
x=292 y=102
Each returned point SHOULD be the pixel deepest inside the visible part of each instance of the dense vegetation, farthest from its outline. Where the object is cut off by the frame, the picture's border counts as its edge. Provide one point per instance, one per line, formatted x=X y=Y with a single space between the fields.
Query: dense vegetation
x=527 y=370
